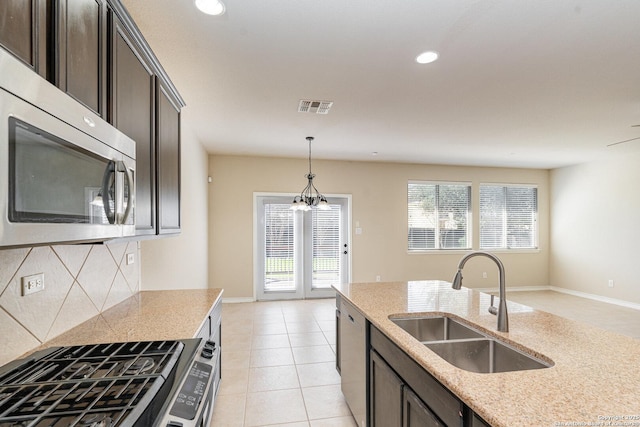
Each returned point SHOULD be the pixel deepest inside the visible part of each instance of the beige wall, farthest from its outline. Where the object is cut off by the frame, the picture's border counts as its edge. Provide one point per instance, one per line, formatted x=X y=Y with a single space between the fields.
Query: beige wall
x=595 y=227
x=180 y=262
x=379 y=205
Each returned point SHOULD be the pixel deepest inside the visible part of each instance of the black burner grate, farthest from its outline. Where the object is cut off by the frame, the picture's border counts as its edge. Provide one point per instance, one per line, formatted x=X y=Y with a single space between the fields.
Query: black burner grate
x=104 y=385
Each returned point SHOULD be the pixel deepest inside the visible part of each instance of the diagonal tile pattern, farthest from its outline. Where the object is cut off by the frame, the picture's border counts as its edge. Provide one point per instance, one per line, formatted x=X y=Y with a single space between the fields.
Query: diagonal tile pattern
x=36 y=312
x=98 y=275
x=80 y=282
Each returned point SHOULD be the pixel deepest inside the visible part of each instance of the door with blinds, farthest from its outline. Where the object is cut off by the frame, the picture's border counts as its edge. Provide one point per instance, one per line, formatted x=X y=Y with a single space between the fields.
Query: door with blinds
x=300 y=254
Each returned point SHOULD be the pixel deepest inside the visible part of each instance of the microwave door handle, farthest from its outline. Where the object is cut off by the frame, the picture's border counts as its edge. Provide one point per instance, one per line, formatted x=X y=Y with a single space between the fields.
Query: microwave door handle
x=106 y=197
x=127 y=184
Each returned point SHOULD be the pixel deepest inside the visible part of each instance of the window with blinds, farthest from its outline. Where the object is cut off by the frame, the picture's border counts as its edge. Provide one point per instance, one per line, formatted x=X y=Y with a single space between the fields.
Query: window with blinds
x=326 y=247
x=439 y=216
x=279 y=247
x=508 y=216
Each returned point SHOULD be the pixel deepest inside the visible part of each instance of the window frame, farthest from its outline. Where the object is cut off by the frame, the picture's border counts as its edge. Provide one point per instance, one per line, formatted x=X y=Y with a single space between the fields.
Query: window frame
x=536 y=226
x=469 y=218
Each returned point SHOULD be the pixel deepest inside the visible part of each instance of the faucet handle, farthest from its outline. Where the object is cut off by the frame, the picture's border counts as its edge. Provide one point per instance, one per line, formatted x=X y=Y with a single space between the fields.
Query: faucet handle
x=492 y=309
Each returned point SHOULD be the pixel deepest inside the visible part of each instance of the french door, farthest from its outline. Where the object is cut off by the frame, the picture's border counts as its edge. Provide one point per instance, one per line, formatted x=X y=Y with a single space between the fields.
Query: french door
x=300 y=254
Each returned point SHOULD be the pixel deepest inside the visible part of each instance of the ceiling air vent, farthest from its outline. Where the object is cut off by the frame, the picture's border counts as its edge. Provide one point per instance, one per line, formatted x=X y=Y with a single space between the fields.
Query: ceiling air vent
x=315 y=107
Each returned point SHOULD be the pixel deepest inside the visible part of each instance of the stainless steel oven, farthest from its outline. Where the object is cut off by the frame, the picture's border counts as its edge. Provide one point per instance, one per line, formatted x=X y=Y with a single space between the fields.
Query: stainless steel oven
x=153 y=383
x=65 y=174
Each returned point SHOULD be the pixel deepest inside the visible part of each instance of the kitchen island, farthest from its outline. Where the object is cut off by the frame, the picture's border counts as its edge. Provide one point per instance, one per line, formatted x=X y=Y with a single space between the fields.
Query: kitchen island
x=594 y=380
x=146 y=316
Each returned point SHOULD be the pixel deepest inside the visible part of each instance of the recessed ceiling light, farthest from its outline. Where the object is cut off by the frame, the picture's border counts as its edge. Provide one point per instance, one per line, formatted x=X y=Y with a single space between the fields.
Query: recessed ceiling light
x=210 y=7
x=427 y=57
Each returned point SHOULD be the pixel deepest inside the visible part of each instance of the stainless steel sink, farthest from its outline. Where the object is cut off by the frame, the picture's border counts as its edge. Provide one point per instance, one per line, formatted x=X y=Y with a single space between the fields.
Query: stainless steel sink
x=485 y=356
x=435 y=328
x=466 y=348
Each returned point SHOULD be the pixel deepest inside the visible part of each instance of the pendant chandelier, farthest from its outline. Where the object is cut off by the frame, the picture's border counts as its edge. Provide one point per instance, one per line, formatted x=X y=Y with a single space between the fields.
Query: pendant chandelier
x=310 y=196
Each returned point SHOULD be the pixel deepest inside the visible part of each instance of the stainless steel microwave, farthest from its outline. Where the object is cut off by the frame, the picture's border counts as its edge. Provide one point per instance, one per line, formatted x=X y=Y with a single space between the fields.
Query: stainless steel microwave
x=65 y=174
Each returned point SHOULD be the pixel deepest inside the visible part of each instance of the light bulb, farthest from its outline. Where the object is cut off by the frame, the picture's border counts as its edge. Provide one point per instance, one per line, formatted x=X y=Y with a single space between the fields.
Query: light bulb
x=210 y=7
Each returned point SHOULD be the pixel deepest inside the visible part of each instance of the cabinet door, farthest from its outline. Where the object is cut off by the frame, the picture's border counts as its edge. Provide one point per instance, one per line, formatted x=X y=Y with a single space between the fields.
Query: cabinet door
x=82 y=52
x=476 y=421
x=416 y=413
x=385 y=394
x=23 y=32
x=132 y=112
x=168 y=125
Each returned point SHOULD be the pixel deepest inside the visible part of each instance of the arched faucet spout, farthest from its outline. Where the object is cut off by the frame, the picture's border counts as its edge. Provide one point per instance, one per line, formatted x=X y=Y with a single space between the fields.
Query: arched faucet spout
x=501 y=311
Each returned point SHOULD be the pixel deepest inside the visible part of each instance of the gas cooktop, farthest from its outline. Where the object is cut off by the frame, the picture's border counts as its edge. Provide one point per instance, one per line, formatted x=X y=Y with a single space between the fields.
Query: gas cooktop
x=100 y=385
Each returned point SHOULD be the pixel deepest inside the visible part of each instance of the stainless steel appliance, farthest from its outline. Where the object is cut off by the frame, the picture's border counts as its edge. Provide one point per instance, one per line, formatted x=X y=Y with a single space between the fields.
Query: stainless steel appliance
x=66 y=174
x=353 y=360
x=154 y=383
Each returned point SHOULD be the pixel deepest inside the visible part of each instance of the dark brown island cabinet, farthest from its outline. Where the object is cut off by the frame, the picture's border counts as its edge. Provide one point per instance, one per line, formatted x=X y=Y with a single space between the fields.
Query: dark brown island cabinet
x=93 y=51
x=399 y=392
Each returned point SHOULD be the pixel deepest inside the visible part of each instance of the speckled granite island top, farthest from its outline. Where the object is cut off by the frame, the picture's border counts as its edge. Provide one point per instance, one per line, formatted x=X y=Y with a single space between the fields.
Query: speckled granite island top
x=595 y=378
x=148 y=315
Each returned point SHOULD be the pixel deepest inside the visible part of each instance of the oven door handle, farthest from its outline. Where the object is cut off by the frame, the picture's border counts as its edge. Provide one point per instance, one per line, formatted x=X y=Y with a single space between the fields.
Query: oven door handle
x=109 y=172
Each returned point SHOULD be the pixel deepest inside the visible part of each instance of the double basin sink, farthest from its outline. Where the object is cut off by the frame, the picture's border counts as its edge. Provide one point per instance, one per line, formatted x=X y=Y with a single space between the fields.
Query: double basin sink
x=466 y=348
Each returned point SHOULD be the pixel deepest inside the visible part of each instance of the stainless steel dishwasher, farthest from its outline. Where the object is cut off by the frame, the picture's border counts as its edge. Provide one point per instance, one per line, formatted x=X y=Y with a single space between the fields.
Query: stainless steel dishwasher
x=353 y=360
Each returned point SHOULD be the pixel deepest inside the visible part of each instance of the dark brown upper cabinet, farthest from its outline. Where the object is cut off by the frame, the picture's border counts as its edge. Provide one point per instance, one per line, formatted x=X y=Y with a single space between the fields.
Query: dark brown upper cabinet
x=132 y=112
x=168 y=129
x=24 y=29
x=81 y=59
x=93 y=51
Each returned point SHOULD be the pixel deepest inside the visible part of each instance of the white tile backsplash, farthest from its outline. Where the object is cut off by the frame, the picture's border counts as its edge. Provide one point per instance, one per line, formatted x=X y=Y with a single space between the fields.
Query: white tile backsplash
x=80 y=282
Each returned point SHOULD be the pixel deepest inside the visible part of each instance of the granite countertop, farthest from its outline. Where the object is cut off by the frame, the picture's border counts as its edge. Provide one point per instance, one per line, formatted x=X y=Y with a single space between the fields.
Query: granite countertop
x=146 y=316
x=595 y=378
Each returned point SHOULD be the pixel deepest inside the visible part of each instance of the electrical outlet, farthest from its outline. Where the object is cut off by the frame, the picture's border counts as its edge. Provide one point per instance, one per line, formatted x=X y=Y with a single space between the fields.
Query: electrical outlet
x=377 y=278
x=131 y=259
x=610 y=283
x=484 y=274
x=32 y=284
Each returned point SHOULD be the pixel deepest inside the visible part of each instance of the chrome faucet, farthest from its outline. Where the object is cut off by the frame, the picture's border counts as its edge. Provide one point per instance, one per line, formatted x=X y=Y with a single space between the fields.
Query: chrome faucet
x=501 y=311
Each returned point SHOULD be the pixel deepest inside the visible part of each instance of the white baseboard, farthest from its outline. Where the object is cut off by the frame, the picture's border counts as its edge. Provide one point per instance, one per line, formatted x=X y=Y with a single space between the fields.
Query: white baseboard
x=600 y=298
x=237 y=300
x=594 y=297
x=514 y=289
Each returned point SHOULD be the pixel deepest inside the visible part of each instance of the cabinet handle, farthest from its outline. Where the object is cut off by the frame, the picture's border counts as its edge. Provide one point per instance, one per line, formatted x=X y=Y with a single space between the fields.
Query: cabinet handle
x=351 y=318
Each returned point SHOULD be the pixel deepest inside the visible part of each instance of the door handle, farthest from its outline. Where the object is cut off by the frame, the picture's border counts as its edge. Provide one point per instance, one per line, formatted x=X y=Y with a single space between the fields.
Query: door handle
x=106 y=195
x=127 y=186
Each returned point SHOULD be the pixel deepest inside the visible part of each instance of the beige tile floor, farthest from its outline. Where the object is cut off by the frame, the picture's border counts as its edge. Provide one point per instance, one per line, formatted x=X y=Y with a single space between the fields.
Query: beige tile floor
x=278 y=366
x=278 y=358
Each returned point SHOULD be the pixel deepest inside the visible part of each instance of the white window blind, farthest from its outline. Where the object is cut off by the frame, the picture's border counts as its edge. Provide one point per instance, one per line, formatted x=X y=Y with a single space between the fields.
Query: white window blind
x=279 y=247
x=508 y=216
x=326 y=247
x=439 y=216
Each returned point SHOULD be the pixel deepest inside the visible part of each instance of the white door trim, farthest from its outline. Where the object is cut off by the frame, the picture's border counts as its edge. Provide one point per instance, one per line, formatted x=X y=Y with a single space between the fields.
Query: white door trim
x=258 y=244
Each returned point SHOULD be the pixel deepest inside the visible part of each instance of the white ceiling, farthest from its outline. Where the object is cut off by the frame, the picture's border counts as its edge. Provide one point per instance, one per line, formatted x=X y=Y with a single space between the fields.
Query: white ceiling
x=524 y=83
